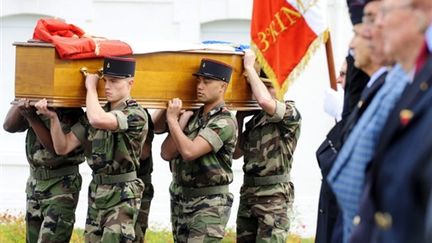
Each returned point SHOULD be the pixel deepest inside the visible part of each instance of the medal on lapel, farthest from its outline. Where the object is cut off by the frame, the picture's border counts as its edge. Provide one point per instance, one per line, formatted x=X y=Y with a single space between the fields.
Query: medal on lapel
x=405 y=116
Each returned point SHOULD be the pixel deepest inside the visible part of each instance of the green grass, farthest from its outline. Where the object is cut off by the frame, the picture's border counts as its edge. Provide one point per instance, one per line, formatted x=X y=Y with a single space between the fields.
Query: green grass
x=12 y=229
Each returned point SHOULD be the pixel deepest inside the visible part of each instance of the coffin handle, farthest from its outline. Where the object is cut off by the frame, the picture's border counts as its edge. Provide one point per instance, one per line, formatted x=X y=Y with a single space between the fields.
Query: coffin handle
x=85 y=72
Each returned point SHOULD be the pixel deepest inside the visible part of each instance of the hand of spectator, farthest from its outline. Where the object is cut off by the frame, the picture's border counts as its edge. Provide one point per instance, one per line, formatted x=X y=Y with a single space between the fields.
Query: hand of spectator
x=333 y=102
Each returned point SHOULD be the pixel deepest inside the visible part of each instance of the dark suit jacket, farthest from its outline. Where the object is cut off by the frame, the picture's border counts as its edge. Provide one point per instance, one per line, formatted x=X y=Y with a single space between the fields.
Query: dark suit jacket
x=391 y=185
x=356 y=81
x=328 y=229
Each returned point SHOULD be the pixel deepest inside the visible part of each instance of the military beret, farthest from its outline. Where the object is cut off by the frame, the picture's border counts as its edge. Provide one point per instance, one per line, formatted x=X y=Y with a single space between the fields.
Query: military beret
x=119 y=67
x=213 y=69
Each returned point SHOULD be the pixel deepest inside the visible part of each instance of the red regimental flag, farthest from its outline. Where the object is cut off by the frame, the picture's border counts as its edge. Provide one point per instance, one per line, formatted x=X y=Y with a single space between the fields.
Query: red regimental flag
x=284 y=34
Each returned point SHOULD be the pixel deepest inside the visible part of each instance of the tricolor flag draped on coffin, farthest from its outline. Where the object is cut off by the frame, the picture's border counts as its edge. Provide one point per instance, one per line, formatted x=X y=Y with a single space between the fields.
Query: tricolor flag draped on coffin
x=284 y=34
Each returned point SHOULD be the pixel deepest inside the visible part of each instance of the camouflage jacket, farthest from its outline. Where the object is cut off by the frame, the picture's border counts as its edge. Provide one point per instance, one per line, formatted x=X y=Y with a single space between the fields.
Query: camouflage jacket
x=146 y=166
x=214 y=168
x=115 y=152
x=269 y=142
x=38 y=156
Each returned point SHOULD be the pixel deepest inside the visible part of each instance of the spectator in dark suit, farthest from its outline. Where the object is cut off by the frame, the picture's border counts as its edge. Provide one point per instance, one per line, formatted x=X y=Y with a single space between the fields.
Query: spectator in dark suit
x=390 y=210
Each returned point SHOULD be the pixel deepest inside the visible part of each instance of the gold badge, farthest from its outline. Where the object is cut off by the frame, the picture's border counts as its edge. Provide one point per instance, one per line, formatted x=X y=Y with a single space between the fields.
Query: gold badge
x=424 y=86
x=405 y=116
x=383 y=220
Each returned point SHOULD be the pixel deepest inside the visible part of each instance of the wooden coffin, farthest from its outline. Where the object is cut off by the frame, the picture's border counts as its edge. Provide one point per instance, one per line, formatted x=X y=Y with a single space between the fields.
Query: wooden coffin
x=159 y=77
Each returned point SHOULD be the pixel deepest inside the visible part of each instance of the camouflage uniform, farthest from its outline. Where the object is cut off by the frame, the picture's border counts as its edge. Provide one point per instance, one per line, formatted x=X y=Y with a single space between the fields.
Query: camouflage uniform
x=115 y=191
x=53 y=186
x=144 y=173
x=267 y=193
x=200 y=200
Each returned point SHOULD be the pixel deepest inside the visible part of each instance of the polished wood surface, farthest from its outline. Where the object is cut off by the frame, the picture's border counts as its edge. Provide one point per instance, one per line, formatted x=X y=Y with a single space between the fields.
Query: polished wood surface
x=159 y=77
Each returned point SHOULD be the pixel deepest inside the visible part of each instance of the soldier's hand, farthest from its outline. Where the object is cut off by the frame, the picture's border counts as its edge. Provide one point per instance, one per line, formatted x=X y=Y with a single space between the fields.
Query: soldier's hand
x=26 y=110
x=91 y=81
x=174 y=109
x=249 y=59
x=42 y=108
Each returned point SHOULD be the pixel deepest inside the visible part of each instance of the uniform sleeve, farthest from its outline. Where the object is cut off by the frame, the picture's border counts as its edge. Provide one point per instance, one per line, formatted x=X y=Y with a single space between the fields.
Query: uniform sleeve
x=290 y=124
x=280 y=112
x=122 y=120
x=130 y=119
x=218 y=131
x=80 y=128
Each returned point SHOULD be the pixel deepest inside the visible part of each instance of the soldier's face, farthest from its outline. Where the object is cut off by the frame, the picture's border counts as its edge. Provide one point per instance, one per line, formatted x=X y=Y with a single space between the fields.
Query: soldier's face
x=209 y=90
x=117 y=89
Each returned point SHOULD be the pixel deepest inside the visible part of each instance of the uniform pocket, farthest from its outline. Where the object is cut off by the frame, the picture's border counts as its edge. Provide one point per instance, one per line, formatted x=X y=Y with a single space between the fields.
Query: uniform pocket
x=215 y=230
x=108 y=196
x=127 y=233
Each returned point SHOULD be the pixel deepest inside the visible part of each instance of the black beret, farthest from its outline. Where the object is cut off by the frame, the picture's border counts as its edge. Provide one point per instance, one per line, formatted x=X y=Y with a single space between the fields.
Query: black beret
x=213 y=69
x=119 y=67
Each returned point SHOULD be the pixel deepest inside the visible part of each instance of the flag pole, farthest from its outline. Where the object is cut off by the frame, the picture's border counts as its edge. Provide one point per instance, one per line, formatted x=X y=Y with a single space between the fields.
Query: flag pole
x=330 y=63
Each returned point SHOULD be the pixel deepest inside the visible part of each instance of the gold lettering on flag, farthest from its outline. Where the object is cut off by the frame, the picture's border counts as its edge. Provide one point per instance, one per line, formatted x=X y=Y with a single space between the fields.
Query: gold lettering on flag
x=289 y=17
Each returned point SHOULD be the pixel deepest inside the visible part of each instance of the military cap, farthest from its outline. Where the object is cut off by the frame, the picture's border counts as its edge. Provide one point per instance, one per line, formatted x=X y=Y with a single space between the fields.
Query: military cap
x=119 y=67
x=213 y=69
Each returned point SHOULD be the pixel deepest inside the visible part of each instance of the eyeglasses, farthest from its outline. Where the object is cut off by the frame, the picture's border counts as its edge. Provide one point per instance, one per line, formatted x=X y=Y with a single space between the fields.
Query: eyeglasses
x=386 y=10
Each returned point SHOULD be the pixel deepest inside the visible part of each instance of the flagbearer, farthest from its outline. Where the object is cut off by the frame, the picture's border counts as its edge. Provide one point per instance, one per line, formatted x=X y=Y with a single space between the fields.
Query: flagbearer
x=267 y=144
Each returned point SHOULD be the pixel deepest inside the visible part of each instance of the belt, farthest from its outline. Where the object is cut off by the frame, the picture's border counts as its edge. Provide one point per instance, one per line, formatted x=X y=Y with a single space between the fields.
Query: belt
x=113 y=179
x=191 y=192
x=46 y=174
x=265 y=180
x=147 y=179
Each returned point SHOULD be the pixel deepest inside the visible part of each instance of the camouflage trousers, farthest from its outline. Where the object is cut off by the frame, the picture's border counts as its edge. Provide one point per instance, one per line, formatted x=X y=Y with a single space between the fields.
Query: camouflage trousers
x=264 y=213
x=50 y=214
x=142 y=221
x=200 y=219
x=113 y=211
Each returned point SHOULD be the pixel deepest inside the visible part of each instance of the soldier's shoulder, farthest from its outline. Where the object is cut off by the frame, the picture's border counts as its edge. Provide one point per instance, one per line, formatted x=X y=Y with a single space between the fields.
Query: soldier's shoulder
x=291 y=112
x=226 y=115
x=135 y=109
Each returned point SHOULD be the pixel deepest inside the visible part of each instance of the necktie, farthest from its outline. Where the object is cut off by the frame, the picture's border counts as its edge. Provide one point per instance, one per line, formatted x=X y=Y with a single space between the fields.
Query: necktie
x=348 y=173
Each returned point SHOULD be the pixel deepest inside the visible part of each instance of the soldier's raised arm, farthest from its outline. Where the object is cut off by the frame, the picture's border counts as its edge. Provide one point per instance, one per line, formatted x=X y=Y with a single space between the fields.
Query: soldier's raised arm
x=97 y=116
x=14 y=121
x=259 y=90
x=169 y=149
x=63 y=143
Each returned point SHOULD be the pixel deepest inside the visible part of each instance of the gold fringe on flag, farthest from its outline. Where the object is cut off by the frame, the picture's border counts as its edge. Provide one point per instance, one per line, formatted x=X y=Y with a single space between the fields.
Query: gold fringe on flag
x=281 y=90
